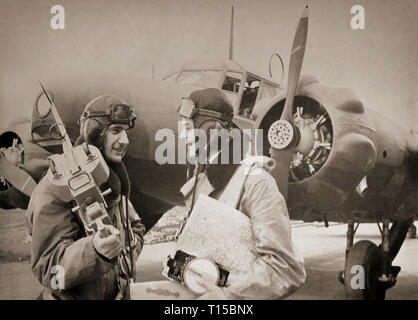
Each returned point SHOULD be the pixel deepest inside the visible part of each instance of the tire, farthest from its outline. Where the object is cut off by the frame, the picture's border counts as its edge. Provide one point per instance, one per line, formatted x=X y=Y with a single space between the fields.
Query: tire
x=366 y=254
x=412 y=232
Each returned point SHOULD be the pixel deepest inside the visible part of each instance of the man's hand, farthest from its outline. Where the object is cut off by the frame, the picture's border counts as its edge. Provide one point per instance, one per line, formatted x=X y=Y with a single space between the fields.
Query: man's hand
x=213 y=292
x=107 y=242
x=138 y=228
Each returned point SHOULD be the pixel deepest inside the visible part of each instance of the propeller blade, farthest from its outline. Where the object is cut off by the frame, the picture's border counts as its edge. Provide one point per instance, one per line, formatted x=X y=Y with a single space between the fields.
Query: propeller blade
x=281 y=175
x=295 y=64
x=19 y=178
x=283 y=156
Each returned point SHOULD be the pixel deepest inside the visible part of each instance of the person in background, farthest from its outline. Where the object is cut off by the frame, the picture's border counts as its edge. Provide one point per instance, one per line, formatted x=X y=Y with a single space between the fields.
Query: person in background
x=11 y=149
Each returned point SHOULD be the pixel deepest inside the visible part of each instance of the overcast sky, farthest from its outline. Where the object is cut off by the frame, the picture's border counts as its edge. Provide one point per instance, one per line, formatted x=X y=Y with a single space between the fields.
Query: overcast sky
x=379 y=63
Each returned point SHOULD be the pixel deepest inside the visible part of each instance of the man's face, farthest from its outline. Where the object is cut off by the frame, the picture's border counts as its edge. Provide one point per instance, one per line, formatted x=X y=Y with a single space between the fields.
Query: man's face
x=14 y=153
x=116 y=142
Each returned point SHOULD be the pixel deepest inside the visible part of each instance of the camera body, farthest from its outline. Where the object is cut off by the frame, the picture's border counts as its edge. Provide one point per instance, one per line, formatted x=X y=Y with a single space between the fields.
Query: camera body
x=76 y=176
x=185 y=269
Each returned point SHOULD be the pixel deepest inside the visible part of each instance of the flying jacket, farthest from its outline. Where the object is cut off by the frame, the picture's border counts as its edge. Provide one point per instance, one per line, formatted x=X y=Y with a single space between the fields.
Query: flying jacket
x=278 y=269
x=59 y=239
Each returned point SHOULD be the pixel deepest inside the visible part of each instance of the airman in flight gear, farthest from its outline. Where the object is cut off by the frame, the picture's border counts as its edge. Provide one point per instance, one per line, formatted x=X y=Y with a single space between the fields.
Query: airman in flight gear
x=278 y=269
x=95 y=266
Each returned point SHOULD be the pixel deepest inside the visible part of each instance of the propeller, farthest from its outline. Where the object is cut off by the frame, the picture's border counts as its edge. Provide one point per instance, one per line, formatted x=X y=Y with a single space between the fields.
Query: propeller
x=283 y=135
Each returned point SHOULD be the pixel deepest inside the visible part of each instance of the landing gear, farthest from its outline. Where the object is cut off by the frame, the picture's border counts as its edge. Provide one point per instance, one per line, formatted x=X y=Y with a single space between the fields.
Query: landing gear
x=368 y=271
x=361 y=272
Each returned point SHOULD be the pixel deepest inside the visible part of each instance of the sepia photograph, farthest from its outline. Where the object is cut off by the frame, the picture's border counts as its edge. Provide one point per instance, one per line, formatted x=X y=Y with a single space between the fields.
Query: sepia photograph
x=208 y=150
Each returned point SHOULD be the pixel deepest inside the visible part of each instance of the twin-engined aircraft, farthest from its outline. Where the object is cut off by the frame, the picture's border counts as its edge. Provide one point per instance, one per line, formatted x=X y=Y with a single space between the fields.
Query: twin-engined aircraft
x=347 y=163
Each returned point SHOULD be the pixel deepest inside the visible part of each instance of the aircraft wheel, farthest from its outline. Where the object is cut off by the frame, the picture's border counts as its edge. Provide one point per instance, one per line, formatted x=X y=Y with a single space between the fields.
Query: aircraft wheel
x=412 y=232
x=361 y=285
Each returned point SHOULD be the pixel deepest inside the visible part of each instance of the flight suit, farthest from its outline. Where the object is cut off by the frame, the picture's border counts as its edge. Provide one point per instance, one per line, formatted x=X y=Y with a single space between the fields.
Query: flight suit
x=59 y=239
x=278 y=269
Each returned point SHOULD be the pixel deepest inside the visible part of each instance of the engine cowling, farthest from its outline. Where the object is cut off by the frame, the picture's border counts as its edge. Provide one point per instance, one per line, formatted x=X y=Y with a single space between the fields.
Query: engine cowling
x=337 y=144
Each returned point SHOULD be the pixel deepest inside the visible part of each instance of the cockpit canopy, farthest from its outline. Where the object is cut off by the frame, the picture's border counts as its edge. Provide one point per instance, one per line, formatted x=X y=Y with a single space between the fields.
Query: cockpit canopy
x=243 y=88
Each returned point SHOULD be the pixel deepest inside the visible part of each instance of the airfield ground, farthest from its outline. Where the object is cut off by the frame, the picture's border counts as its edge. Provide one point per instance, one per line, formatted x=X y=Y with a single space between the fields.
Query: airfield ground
x=323 y=249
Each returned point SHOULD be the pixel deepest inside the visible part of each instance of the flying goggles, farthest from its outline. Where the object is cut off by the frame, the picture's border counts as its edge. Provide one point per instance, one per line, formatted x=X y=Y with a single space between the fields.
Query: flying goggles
x=117 y=113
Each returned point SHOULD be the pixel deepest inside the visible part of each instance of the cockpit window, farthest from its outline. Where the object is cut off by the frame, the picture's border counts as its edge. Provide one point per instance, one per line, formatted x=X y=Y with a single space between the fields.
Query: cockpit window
x=204 y=79
x=249 y=96
x=267 y=90
x=255 y=89
x=232 y=82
